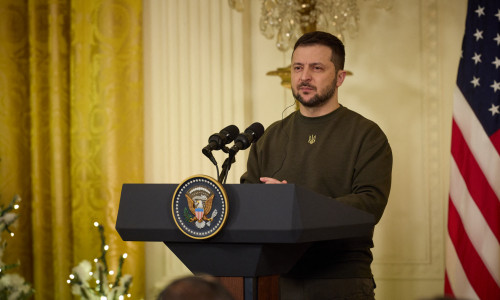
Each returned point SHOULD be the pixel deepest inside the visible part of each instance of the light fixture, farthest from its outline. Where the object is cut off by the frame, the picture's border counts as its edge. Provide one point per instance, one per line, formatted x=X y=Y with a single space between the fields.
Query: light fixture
x=287 y=20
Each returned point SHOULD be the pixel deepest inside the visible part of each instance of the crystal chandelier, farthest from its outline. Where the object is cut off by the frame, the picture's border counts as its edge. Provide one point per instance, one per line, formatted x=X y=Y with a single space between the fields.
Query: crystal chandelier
x=287 y=20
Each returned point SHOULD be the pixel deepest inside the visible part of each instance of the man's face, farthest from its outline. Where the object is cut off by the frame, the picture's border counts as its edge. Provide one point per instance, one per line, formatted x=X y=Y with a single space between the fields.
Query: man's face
x=313 y=75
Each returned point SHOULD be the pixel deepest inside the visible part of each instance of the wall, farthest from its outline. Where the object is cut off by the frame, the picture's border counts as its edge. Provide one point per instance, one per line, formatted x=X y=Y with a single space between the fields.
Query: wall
x=205 y=67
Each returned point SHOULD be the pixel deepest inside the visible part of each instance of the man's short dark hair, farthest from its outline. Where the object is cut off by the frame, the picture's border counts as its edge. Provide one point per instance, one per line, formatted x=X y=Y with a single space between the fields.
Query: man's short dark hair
x=325 y=39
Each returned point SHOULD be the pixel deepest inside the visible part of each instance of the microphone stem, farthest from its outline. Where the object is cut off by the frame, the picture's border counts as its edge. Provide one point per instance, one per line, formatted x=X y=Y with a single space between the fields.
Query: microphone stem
x=226 y=166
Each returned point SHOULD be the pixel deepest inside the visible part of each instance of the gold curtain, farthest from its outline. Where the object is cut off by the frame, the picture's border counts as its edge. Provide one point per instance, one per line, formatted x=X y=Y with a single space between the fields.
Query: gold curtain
x=71 y=133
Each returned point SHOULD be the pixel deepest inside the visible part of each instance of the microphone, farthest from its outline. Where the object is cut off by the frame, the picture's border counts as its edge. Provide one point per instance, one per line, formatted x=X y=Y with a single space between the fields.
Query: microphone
x=217 y=141
x=243 y=140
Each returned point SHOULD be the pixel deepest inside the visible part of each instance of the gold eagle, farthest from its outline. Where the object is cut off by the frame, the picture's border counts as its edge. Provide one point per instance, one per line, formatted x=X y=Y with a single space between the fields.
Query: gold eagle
x=199 y=204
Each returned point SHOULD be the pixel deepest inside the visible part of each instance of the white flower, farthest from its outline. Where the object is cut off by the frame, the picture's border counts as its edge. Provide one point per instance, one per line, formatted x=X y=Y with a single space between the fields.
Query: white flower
x=97 y=275
x=83 y=270
x=125 y=279
x=11 y=280
x=8 y=218
x=16 y=294
x=15 y=284
x=84 y=292
x=114 y=292
x=76 y=289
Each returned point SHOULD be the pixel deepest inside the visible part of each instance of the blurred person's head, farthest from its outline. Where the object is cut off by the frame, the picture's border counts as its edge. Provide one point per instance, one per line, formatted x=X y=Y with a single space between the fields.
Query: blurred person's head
x=195 y=287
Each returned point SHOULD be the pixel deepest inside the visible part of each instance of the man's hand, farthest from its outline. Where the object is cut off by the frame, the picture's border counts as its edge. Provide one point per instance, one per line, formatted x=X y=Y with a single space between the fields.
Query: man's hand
x=269 y=180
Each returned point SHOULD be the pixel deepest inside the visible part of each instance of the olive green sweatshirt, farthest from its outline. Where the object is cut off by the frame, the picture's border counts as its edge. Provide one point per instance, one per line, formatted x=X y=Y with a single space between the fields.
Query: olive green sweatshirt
x=341 y=155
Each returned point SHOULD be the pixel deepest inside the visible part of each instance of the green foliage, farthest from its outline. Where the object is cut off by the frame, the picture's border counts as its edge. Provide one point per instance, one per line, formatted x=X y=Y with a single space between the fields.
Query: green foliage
x=187 y=214
x=12 y=285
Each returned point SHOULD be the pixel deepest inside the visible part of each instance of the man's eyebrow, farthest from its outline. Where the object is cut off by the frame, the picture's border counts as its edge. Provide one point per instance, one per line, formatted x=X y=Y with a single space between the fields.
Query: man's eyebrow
x=309 y=64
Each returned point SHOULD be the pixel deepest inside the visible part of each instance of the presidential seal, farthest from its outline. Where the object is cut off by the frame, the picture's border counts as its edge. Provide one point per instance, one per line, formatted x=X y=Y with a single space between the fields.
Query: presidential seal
x=199 y=207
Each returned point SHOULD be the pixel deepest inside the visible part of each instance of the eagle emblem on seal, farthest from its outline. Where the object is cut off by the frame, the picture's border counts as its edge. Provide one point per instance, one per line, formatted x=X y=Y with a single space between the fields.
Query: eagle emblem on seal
x=199 y=202
x=200 y=207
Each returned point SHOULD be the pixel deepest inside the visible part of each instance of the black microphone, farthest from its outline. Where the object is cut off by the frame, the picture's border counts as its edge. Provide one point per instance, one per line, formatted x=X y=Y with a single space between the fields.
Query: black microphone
x=217 y=140
x=243 y=140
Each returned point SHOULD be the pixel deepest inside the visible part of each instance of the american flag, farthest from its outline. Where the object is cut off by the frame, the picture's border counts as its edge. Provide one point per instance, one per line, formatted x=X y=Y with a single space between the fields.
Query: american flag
x=473 y=240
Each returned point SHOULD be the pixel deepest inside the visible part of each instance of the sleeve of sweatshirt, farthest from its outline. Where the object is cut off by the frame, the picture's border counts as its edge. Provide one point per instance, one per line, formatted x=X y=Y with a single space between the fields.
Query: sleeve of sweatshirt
x=252 y=175
x=371 y=182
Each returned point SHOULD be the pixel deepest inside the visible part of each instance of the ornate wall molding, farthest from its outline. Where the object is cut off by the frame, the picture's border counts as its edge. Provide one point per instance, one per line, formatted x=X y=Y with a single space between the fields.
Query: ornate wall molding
x=427 y=263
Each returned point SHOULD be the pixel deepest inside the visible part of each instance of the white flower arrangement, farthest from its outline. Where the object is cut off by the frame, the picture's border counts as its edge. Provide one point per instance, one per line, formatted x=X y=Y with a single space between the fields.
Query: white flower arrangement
x=94 y=285
x=12 y=285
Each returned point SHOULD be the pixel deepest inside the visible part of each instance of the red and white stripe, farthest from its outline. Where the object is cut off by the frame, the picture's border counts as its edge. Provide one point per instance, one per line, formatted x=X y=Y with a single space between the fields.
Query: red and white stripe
x=472 y=244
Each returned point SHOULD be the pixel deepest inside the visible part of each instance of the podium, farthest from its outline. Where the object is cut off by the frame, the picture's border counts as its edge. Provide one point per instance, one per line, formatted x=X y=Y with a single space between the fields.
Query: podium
x=268 y=229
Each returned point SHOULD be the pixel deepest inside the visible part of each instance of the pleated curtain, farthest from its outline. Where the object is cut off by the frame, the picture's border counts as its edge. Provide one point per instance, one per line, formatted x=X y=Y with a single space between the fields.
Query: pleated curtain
x=71 y=133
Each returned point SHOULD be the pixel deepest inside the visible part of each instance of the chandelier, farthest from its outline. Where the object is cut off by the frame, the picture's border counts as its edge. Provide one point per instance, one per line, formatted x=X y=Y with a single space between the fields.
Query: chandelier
x=287 y=20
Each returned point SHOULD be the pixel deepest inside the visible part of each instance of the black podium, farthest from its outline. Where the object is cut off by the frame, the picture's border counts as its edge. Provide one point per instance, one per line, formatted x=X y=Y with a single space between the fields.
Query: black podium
x=267 y=230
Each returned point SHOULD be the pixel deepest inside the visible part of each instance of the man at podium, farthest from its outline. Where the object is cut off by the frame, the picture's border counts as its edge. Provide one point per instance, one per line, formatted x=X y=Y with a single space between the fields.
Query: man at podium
x=334 y=151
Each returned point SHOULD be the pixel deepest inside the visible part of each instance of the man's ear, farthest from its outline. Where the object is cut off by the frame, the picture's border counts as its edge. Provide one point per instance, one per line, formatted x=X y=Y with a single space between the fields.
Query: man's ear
x=340 y=77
